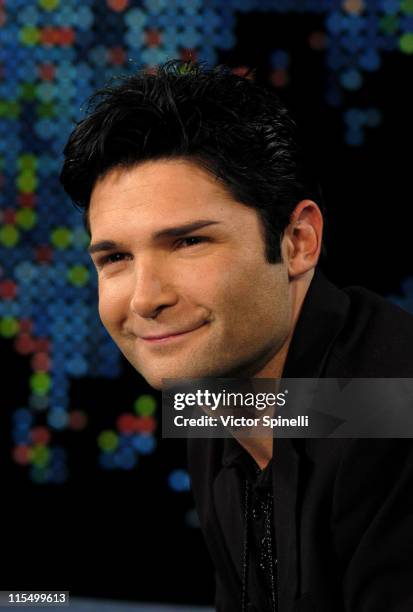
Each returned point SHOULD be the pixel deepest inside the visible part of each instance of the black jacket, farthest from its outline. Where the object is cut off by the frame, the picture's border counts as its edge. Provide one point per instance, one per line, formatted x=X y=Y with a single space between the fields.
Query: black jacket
x=343 y=507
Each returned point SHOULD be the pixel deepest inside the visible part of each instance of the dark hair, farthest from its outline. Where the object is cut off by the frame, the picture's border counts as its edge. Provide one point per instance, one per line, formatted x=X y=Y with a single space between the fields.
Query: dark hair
x=227 y=124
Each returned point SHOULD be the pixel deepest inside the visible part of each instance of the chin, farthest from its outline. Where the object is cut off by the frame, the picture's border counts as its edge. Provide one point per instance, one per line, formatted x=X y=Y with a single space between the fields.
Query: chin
x=158 y=381
x=186 y=369
x=157 y=385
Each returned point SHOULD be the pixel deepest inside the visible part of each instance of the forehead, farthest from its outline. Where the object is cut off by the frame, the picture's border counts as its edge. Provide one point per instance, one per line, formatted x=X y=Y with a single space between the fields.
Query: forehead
x=161 y=192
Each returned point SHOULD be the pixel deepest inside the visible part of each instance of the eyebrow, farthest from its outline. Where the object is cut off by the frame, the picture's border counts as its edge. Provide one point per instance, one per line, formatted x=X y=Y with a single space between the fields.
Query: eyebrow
x=168 y=232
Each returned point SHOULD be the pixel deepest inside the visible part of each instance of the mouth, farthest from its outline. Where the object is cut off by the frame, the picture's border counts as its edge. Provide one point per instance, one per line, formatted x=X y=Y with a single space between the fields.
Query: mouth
x=171 y=337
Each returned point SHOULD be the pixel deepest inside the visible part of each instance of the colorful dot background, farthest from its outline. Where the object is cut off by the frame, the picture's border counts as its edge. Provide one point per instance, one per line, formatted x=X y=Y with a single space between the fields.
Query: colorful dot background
x=53 y=55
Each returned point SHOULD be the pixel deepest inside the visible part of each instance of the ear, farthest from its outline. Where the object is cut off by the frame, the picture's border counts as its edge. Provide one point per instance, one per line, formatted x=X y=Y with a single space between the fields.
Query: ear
x=301 y=241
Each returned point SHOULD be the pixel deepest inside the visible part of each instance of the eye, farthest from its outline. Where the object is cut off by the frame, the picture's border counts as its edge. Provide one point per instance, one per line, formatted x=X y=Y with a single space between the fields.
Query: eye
x=111 y=259
x=191 y=241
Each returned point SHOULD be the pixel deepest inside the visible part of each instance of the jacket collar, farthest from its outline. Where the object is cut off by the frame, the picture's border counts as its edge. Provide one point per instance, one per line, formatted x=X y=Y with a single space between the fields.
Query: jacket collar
x=321 y=318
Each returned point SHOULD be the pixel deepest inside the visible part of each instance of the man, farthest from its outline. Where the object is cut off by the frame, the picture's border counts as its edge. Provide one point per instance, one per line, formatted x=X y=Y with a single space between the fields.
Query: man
x=206 y=231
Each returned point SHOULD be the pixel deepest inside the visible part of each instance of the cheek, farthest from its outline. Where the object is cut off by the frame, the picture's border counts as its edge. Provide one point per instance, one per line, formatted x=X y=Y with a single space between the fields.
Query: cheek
x=112 y=304
x=237 y=285
x=255 y=299
x=197 y=284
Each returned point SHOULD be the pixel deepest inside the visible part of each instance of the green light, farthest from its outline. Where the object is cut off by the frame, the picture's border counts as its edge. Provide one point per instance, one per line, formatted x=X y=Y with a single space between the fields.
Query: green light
x=39 y=475
x=145 y=405
x=9 y=109
x=9 y=326
x=14 y=109
x=26 y=181
x=389 y=24
x=108 y=440
x=49 y=5
x=40 y=383
x=28 y=91
x=406 y=43
x=406 y=6
x=29 y=35
x=46 y=110
x=39 y=455
x=27 y=161
x=61 y=237
x=9 y=236
x=78 y=275
x=26 y=218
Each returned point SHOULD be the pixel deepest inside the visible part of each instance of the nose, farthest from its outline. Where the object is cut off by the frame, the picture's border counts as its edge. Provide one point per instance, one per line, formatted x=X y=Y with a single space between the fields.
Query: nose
x=152 y=289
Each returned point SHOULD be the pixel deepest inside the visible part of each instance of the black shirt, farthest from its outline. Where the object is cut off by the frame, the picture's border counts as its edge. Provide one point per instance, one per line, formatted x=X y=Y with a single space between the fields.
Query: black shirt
x=252 y=541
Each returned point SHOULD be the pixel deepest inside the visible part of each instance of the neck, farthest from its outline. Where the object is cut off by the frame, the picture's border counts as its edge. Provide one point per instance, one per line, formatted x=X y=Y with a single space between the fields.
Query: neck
x=261 y=448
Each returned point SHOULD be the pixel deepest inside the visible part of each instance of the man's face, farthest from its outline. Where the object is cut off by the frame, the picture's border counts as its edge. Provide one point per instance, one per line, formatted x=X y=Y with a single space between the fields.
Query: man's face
x=226 y=310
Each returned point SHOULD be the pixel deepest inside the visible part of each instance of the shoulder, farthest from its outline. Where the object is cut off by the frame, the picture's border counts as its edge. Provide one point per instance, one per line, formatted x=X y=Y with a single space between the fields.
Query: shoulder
x=376 y=338
x=377 y=503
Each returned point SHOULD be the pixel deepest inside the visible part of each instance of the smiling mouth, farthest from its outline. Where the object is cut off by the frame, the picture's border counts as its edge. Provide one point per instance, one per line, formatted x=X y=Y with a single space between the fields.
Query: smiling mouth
x=172 y=337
